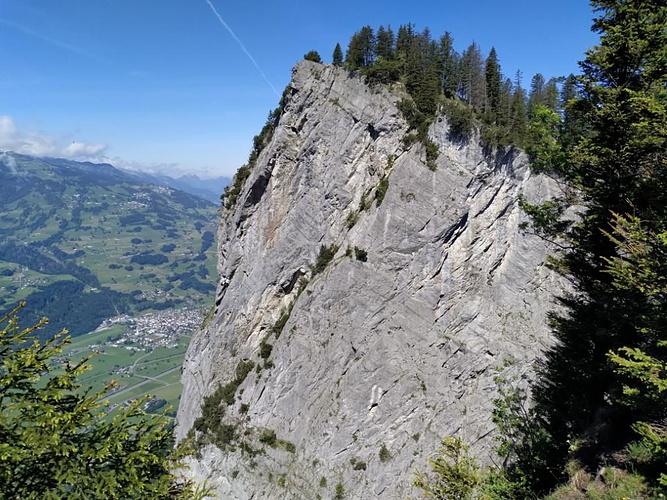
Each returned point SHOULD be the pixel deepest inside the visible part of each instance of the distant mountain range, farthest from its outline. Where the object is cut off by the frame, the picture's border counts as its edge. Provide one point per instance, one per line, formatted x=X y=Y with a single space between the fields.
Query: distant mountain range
x=82 y=242
x=209 y=189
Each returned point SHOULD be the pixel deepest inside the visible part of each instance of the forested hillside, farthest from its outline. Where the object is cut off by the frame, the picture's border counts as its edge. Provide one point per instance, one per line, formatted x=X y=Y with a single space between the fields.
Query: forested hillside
x=83 y=242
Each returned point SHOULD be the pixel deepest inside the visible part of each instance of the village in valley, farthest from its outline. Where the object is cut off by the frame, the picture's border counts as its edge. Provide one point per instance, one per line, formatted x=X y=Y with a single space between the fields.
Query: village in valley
x=156 y=329
x=137 y=357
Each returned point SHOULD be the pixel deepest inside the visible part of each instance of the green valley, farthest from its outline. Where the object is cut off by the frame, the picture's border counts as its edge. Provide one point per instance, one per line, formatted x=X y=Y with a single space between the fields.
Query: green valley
x=82 y=243
x=140 y=356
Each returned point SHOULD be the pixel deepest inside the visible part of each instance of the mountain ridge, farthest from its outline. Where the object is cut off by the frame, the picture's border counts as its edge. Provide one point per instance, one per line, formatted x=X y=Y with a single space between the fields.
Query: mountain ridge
x=364 y=300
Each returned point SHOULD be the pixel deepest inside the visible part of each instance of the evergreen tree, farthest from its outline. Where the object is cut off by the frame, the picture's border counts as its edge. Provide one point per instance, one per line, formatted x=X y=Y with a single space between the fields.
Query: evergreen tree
x=361 y=50
x=575 y=125
x=472 y=88
x=313 y=55
x=406 y=34
x=617 y=167
x=493 y=79
x=550 y=94
x=58 y=442
x=518 y=125
x=505 y=106
x=385 y=43
x=385 y=68
x=449 y=64
x=536 y=94
x=337 y=58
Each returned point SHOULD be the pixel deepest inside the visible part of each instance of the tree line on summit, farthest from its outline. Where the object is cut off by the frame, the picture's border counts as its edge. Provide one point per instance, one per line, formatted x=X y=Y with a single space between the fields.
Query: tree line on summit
x=472 y=88
x=472 y=91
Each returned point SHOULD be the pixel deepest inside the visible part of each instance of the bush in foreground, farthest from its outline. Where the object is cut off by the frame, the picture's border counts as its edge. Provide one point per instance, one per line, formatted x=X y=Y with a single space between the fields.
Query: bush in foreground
x=57 y=441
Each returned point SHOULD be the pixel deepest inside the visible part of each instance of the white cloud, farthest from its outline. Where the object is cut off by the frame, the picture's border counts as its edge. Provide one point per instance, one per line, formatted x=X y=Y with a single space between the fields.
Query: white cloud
x=81 y=149
x=9 y=162
x=41 y=144
x=37 y=143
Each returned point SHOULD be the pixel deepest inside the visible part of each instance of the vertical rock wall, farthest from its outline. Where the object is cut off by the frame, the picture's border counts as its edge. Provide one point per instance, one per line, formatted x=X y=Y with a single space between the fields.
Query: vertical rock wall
x=383 y=355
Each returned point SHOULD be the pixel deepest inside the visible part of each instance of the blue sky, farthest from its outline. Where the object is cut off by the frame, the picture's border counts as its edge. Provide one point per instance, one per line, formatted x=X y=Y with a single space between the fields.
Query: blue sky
x=163 y=84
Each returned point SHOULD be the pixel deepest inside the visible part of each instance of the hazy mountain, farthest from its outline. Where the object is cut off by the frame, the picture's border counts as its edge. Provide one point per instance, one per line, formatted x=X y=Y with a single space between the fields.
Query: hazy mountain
x=81 y=242
x=209 y=189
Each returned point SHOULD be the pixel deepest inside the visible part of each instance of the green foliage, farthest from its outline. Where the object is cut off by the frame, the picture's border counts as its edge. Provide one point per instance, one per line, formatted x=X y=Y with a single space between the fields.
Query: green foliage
x=339 y=492
x=233 y=190
x=600 y=389
x=360 y=254
x=361 y=50
x=282 y=321
x=210 y=424
x=268 y=437
x=460 y=116
x=522 y=442
x=337 y=57
x=454 y=474
x=59 y=442
x=358 y=465
x=432 y=153
x=611 y=484
x=473 y=92
x=314 y=56
x=381 y=190
x=352 y=219
x=259 y=142
x=325 y=256
x=544 y=148
x=418 y=123
x=546 y=218
x=640 y=267
x=265 y=348
x=384 y=453
x=288 y=446
x=242 y=371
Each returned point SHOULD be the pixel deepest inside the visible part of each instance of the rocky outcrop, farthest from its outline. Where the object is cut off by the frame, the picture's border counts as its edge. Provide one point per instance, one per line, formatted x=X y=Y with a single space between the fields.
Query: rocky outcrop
x=362 y=368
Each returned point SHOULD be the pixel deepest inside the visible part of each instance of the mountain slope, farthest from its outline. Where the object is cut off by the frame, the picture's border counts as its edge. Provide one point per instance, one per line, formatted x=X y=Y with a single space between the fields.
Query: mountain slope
x=82 y=242
x=364 y=301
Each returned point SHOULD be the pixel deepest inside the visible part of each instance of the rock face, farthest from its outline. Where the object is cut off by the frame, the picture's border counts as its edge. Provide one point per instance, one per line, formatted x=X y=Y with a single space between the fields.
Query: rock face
x=389 y=348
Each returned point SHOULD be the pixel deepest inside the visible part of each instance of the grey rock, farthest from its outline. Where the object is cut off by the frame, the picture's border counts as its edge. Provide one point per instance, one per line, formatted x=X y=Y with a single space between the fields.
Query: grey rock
x=397 y=351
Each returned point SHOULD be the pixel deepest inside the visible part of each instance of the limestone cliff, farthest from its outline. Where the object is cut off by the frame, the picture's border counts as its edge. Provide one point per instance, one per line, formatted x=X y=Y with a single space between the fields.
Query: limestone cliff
x=363 y=367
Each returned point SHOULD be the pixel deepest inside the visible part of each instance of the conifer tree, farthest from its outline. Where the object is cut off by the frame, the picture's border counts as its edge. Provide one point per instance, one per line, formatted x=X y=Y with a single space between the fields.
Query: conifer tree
x=493 y=79
x=449 y=64
x=313 y=55
x=550 y=94
x=385 y=43
x=617 y=168
x=361 y=50
x=337 y=57
x=59 y=442
x=536 y=94
x=472 y=78
x=406 y=34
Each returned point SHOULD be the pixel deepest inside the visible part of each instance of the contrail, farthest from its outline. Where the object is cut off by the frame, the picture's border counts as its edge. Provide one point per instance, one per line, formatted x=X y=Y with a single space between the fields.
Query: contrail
x=226 y=26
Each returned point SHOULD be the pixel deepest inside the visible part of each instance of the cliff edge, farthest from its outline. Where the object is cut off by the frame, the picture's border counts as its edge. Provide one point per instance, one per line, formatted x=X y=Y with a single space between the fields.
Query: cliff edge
x=349 y=369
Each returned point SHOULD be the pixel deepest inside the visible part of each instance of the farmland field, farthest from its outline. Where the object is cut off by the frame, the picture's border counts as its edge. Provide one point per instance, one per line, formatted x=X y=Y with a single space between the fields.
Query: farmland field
x=135 y=369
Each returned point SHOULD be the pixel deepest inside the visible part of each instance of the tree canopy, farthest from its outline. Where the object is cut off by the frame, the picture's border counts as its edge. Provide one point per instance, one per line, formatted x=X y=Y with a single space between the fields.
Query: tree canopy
x=599 y=411
x=58 y=441
x=600 y=390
